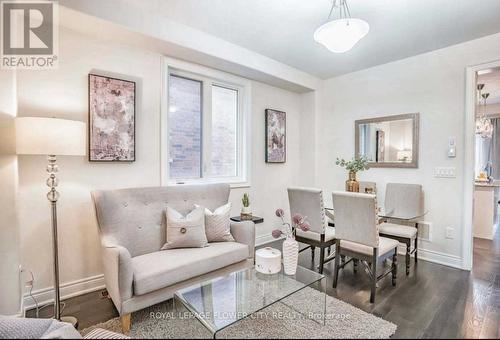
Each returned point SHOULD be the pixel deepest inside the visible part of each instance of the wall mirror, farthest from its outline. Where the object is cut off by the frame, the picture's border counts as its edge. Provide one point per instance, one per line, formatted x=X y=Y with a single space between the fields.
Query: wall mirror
x=390 y=141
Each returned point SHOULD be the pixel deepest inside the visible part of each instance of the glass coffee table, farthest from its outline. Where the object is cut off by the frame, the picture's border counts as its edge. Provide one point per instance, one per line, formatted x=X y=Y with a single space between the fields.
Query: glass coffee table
x=226 y=300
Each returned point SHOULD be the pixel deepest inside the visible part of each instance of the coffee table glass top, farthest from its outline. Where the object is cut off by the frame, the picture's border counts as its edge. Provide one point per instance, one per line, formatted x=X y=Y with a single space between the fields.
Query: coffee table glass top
x=225 y=300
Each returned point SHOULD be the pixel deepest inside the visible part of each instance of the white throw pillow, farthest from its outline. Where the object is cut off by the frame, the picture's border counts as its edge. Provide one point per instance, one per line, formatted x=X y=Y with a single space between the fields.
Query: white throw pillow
x=185 y=231
x=218 y=224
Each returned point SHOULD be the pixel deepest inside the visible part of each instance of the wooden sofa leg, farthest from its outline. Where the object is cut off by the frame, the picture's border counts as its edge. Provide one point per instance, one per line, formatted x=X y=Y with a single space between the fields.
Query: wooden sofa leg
x=125 y=319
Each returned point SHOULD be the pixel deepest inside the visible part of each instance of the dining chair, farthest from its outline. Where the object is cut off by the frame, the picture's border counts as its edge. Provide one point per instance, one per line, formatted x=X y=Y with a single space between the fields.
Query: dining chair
x=402 y=203
x=367 y=187
x=356 y=232
x=309 y=202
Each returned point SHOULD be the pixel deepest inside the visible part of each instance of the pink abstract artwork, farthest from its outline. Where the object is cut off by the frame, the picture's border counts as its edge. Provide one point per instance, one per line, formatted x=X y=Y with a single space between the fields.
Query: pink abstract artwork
x=275 y=136
x=111 y=119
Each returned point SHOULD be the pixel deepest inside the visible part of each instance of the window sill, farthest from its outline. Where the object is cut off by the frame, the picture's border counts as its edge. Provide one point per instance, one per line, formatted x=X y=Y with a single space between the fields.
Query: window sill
x=233 y=184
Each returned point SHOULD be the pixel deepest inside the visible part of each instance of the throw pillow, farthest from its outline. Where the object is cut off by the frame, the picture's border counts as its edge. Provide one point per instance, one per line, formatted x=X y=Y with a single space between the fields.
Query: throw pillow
x=185 y=231
x=218 y=224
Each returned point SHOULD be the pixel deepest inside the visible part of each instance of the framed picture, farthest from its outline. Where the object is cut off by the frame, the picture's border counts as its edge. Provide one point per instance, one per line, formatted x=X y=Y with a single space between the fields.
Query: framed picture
x=111 y=119
x=275 y=136
x=380 y=146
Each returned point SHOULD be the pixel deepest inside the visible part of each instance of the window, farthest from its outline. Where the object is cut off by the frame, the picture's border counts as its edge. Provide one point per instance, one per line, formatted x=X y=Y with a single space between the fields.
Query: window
x=184 y=128
x=206 y=127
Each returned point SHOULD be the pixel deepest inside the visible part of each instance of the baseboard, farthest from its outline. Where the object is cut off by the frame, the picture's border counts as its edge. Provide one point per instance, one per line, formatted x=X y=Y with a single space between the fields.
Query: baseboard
x=440 y=258
x=264 y=239
x=67 y=290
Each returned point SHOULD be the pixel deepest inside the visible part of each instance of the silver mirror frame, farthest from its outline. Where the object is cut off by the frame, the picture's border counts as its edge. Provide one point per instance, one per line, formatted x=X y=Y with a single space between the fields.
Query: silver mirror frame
x=415 y=117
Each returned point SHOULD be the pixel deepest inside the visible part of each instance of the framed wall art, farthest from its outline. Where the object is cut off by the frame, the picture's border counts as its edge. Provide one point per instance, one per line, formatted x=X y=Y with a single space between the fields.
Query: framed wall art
x=111 y=119
x=275 y=136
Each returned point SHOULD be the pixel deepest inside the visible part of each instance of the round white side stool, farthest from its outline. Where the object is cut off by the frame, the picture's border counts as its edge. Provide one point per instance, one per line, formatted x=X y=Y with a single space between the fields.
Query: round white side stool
x=268 y=260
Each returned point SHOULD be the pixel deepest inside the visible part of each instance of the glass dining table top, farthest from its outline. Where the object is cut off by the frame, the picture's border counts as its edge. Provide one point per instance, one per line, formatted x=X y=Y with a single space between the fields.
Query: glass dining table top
x=225 y=300
x=384 y=214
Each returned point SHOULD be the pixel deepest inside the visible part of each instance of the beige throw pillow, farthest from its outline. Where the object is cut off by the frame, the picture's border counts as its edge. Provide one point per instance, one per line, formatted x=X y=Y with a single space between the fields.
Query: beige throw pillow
x=218 y=224
x=185 y=231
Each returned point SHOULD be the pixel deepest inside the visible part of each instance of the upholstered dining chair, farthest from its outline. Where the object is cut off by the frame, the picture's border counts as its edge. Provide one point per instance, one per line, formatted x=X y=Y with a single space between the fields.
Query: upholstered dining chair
x=309 y=202
x=357 y=237
x=402 y=203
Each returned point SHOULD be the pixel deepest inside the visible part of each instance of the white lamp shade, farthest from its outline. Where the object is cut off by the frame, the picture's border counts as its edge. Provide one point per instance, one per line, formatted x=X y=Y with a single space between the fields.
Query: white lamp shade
x=50 y=136
x=341 y=35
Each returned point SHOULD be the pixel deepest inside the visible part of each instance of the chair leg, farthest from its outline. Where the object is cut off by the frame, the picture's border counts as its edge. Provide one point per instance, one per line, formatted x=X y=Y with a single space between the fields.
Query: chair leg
x=408 y=258
x=394 y=266
x=337 y=264
x=312 y=252
x=416 y=249
x=321 y=259
x=342 y=257
x=355 y=265
x=125 y=320
x=374 y=276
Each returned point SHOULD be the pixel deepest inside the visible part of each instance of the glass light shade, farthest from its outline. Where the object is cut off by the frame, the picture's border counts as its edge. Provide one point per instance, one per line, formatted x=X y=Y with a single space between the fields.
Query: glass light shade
x=341 y=35
x=50 y=136
x=484 y=128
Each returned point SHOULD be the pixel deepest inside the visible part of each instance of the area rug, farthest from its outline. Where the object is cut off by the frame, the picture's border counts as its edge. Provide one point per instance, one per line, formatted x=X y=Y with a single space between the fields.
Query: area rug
x=298 y=316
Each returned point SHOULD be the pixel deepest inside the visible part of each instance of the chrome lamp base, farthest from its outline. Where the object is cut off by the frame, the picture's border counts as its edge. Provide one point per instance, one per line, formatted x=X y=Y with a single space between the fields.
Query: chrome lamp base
x=70 y=319
x=53 y=196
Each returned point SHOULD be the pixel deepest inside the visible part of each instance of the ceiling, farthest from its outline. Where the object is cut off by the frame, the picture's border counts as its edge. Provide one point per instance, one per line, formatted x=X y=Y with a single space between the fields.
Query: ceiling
x=283 y=29
x=491 y=83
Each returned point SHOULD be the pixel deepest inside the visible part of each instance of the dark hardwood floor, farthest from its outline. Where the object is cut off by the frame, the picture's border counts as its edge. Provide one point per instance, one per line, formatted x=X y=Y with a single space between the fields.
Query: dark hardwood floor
x=434 y=301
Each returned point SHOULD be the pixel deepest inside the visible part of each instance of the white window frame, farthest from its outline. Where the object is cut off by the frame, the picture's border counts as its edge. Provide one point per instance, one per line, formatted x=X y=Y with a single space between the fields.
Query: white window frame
x=208 y=77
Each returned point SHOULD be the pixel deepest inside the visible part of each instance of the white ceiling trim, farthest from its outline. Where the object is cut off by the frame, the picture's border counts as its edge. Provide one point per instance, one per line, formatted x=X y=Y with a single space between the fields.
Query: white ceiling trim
x=160 y=34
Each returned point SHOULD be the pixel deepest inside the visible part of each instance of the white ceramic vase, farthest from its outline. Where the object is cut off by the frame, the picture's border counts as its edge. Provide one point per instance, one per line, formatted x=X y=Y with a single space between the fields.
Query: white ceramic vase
x=246 y=210
x=290 y=255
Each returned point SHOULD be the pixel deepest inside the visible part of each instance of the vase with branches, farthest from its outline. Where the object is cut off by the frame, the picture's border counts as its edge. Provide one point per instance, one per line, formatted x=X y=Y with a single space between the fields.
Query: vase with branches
x=353 y=166
x=290 y=245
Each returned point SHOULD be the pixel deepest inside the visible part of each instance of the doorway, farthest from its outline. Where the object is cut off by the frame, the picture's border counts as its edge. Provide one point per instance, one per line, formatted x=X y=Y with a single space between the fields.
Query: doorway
x=482 y=170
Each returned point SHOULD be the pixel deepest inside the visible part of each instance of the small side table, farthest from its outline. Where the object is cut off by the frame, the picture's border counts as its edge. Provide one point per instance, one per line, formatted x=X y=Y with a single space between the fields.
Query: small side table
x=255 y=219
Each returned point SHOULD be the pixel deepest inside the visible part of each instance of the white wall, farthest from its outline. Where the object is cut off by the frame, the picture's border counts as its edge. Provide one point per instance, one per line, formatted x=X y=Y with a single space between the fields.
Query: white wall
x=269 y=181
x=432 y=84
x=63 y=93
x=9 y=243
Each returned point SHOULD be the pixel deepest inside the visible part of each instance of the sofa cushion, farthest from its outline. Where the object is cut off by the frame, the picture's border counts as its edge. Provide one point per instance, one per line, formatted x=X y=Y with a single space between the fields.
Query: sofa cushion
x=167 y=267
x=218 y=224
x=185 y=231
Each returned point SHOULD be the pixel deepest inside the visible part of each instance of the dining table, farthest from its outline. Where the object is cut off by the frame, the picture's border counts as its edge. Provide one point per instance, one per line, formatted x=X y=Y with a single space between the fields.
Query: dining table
x=382 y=214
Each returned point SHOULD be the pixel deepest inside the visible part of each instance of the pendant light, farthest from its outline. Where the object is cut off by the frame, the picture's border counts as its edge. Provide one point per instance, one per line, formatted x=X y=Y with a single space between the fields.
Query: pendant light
x=484 y=128
x=340 y=35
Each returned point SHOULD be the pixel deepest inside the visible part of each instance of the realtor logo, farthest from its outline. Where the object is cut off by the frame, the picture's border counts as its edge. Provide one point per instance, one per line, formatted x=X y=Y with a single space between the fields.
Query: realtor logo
x=29 y=34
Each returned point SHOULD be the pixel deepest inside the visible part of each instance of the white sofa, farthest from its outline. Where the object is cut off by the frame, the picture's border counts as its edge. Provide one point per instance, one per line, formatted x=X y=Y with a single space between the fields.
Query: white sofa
x=132 y=230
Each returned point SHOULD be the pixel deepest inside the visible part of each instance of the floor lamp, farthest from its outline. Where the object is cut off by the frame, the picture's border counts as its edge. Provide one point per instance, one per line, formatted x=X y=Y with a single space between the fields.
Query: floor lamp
x=51 y=137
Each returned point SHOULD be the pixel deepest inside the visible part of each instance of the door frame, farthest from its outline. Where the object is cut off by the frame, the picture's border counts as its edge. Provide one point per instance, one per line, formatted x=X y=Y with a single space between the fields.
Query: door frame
x=469 y=159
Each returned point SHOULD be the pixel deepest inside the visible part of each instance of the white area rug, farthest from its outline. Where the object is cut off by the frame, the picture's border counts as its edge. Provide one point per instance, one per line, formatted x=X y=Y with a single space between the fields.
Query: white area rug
x=281 y=320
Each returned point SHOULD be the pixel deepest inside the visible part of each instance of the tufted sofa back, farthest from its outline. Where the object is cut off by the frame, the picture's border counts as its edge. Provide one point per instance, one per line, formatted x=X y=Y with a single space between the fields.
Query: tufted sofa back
x=135 y=219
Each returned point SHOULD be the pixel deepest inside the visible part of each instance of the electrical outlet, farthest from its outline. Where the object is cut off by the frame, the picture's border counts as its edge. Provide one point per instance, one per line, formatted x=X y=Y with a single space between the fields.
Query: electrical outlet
x=450 y=233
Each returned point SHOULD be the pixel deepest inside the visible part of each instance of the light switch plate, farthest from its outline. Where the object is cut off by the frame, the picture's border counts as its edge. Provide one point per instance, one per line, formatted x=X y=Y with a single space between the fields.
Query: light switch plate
x=452 y=152
x=445 y=172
